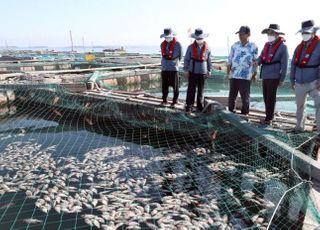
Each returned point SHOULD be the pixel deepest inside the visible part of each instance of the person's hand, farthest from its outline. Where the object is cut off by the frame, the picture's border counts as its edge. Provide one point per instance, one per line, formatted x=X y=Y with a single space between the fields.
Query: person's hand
x=186 y=74
x=254 y=78
x=228 y=76
x=280 y=83
x=318 y=84
x=293 y=86
x=208 y=74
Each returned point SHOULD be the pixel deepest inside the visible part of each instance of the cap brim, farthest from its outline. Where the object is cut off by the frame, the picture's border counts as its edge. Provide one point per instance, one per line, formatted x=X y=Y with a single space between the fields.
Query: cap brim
x=265 y=31
x=238 y=32
x=167 y=36
x=241 y=33
x=312 y=29
x=202 y=36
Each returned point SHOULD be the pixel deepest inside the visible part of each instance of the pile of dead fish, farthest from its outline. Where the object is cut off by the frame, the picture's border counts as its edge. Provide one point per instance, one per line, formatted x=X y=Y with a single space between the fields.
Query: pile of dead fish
x=113 y=187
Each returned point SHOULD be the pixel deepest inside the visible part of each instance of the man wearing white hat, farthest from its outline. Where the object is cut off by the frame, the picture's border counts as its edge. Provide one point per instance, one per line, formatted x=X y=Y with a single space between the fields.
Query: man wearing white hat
x=197 y=67
x=171 y=52
x=305 y=72
x=274 y=64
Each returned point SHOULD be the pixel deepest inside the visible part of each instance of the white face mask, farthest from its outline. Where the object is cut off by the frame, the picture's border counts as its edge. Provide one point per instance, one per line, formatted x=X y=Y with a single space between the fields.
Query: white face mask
x=271 y=38
x=169 y=39
x=306 y=37
x=200 y=41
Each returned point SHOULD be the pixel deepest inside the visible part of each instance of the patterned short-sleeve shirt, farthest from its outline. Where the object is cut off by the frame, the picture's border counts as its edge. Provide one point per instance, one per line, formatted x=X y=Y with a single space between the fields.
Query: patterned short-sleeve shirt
x=242 y=59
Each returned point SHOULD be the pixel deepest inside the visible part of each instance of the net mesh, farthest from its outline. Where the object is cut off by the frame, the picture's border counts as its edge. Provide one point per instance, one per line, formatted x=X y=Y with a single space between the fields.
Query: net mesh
x=70 y=161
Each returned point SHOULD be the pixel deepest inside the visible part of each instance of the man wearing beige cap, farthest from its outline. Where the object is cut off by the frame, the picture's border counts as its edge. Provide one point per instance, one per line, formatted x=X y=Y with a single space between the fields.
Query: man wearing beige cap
x=305 y=72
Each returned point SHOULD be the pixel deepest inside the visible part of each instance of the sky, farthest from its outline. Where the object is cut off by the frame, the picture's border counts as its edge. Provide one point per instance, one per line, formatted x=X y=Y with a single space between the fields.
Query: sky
x=141 y=22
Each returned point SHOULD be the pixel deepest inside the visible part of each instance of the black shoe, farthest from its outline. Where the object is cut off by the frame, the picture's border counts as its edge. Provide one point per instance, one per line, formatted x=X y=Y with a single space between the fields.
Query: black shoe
x=172 y=105
x=200 y=109
x=164 y=103
x=317 y=137
x=296 y=130
x=188 y=109
x=265 y=122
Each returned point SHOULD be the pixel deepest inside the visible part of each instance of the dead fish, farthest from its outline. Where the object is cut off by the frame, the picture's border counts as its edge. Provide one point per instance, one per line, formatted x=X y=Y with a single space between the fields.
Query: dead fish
x=107 y=227
x=88 y=205
x=57 y=208
x=5 y=206
x=147 y=208
x=75 y=209
x=32 y=221
x=265 y=203
x=248 y=194
x=45 y=208
x=132 y=225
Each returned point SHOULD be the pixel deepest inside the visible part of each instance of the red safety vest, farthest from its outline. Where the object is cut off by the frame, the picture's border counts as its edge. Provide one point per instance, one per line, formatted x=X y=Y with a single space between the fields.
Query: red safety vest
x=195 y=51
x=168 y=55
x=266 y=59
x=308 y=54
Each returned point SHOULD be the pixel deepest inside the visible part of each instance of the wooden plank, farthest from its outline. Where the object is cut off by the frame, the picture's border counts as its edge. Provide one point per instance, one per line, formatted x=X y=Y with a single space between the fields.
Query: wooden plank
x=143 y=101
x=74 y=87
x=104 y=96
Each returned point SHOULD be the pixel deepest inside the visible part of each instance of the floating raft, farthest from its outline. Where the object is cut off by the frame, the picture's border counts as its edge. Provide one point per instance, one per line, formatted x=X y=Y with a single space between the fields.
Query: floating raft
x=283 y=120
x=142 y=109
x=76 y=65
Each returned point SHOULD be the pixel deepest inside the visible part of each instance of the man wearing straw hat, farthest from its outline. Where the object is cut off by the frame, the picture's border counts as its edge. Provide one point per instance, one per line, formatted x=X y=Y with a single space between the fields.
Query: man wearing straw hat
x=305 y=72
x=171 y=52
x=197 y=67
x=242 y=68
x=274 y=63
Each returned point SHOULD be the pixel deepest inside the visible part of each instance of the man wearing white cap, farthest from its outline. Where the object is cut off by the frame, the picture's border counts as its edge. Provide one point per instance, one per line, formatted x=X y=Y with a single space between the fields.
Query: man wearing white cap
x=197 y=67
x=171 y=52
x=305 y=72
x=274 y=63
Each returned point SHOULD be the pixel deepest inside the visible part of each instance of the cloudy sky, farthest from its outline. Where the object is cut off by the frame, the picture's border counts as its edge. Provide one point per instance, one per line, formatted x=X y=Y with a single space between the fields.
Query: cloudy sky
x=140 y=22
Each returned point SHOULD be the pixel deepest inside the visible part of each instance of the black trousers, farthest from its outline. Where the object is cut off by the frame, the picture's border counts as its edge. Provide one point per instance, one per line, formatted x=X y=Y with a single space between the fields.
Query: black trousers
x=195 y=82
x=269 y=87
x=170 y=78
x=242 y=86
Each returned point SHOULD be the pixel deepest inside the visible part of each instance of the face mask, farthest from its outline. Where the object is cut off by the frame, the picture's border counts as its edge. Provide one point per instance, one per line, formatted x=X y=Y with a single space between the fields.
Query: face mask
x=169 y=39
x=200 y=41
x=271 y=38
x=306 y=37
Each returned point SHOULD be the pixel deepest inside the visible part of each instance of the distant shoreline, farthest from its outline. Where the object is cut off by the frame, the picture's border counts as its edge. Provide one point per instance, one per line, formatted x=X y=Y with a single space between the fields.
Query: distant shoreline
x=148 y=49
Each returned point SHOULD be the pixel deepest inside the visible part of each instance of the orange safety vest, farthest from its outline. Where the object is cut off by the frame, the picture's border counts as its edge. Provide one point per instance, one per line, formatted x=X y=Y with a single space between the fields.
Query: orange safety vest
x=267 y=59
x=303 y=63
x=195 y=51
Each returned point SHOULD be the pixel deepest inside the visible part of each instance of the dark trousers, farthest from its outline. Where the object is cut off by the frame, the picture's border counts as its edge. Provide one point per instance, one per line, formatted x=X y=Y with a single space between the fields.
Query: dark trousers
x=242 y=86
x=269 y=87
x=195 y=81
x=170 y=78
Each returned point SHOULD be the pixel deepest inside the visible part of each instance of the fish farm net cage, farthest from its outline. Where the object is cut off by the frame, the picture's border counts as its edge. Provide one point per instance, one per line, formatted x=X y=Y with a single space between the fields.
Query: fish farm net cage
x=74 y=161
